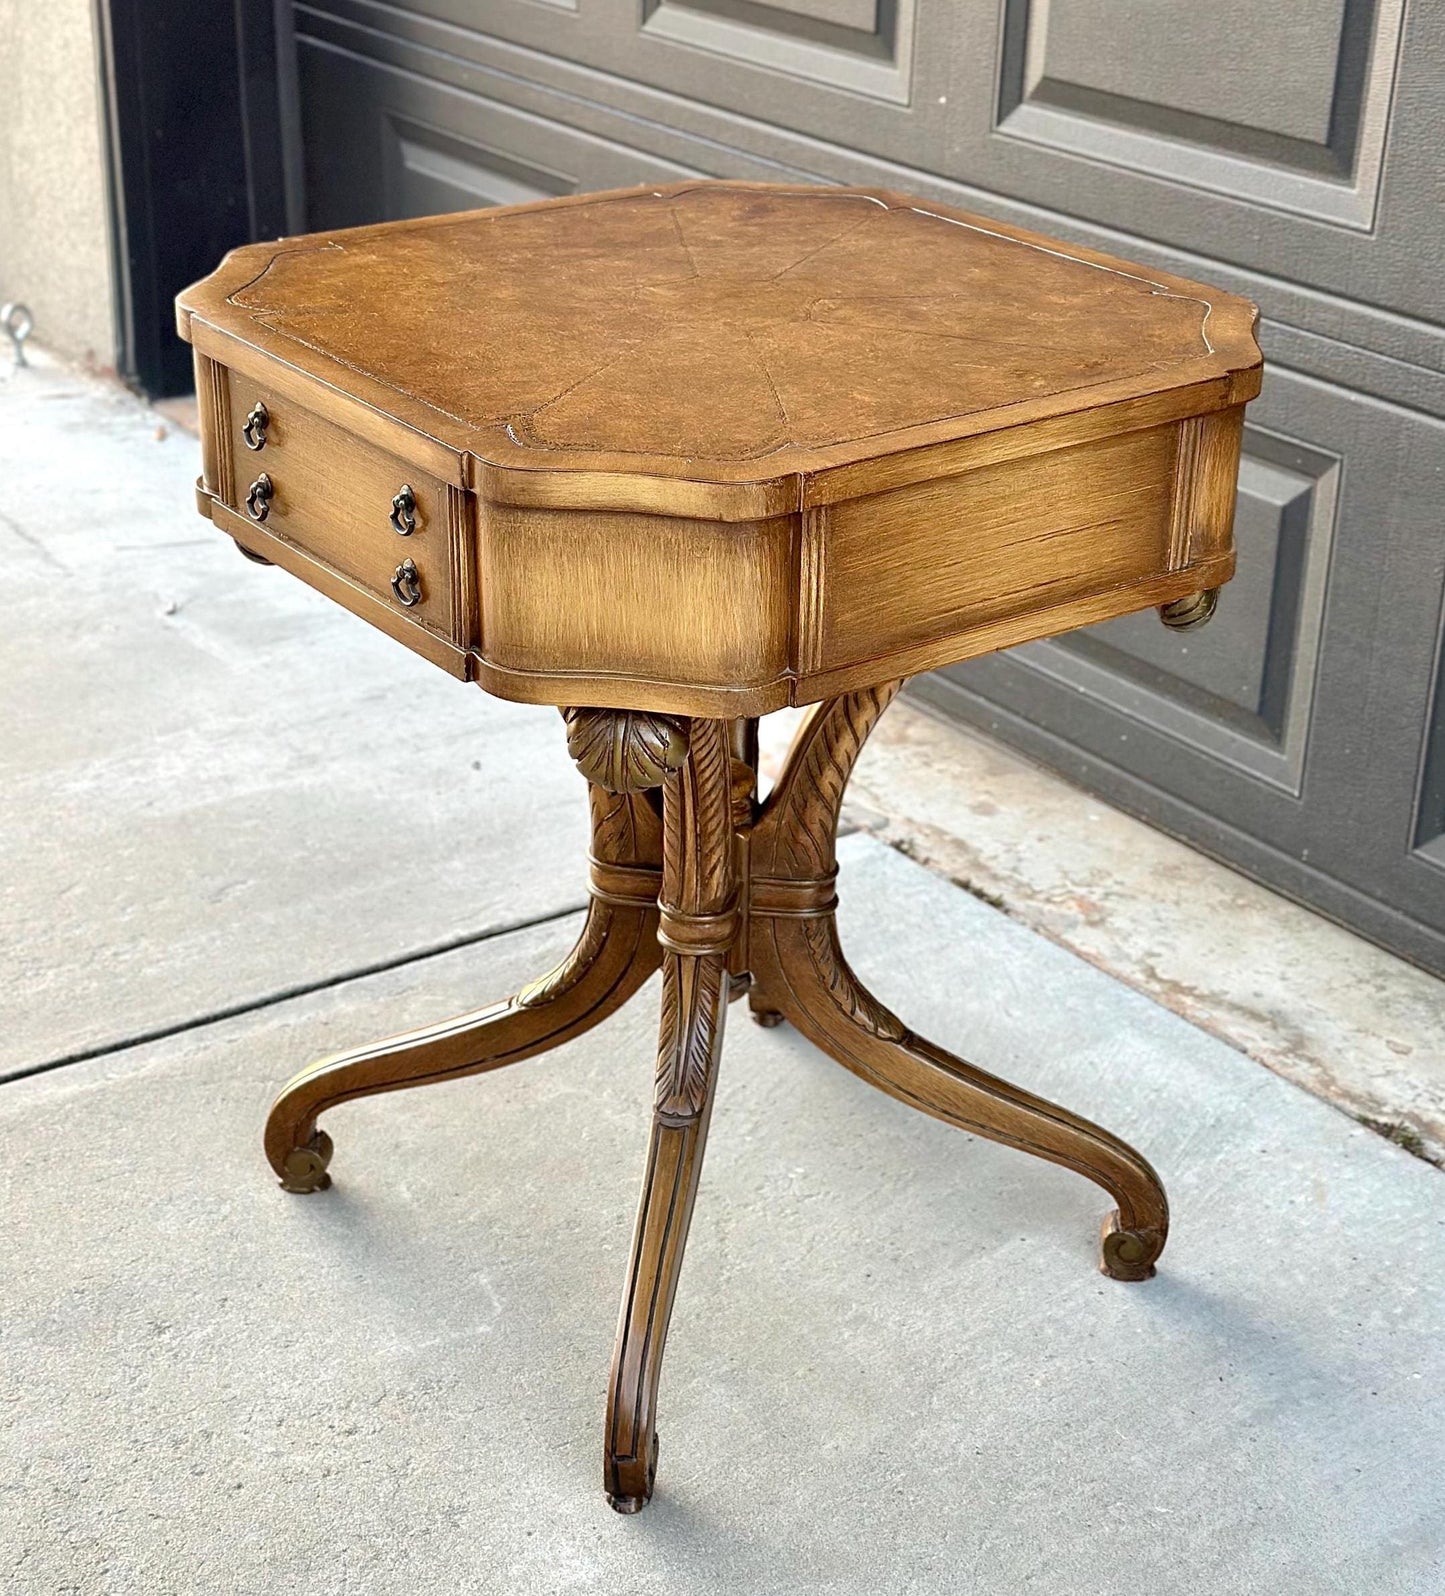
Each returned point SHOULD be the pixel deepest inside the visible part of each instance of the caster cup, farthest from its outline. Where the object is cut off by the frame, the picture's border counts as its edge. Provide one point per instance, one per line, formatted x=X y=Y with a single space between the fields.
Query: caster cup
x=1129 y=1254
x=305 y=1167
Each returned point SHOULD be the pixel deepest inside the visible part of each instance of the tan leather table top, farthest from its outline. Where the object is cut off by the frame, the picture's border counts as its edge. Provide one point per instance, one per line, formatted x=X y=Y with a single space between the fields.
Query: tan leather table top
x=721 y=447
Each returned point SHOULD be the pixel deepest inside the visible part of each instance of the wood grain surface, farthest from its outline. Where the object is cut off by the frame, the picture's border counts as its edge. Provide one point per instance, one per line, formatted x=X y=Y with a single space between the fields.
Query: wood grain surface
x=717 y=448
x=728 y=332
x=677 y=457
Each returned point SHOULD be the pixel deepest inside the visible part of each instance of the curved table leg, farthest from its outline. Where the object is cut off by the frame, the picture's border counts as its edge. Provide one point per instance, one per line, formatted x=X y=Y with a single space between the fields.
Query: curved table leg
x=699 y=924
x=819 y=994
x=616 y=952
x=798 y=962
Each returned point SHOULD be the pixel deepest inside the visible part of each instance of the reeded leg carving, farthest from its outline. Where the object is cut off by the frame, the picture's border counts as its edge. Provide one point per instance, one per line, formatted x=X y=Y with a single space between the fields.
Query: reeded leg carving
x=699 y=925
x=615 y=953
x=798 y=962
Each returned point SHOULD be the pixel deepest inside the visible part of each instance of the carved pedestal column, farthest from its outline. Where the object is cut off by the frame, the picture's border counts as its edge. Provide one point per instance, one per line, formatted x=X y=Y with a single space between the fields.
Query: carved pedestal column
x=698 y=926
x=721 y=894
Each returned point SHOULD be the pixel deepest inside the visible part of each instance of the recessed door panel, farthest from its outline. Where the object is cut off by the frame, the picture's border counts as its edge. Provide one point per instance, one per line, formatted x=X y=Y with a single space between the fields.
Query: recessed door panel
x=1288 y=151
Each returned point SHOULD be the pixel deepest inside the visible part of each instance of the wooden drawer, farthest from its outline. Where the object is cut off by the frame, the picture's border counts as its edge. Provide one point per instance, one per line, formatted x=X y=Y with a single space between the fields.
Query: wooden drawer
x=331 y=495
x=1039 y=532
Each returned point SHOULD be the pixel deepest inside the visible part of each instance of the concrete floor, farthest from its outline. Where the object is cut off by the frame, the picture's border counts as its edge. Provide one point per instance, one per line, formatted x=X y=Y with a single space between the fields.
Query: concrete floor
x=893 y=1366
x=1310 y=1000
x=190 y=736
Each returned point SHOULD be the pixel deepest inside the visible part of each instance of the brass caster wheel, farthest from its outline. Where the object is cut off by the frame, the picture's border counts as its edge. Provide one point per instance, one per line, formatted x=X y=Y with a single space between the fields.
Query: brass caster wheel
x=767 y=1018
x=1129 y=1254
x=305 y=1167
x=635 y=1504
x=1194 y=610
x=255 y=559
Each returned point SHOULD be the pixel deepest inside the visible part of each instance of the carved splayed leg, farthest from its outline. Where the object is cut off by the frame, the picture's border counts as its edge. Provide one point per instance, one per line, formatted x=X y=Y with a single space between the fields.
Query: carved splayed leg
x=798 y=961
x=700 y=921
x=614 y=954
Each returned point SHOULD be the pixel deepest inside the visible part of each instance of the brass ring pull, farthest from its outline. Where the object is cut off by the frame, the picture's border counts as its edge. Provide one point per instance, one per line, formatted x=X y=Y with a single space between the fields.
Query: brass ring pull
x=258 y=498
x=406 y=583
x=254 y=430
x=403 y=511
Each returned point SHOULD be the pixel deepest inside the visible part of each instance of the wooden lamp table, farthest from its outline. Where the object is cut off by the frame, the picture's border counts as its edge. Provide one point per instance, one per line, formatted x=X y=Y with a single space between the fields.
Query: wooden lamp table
x=671 y=459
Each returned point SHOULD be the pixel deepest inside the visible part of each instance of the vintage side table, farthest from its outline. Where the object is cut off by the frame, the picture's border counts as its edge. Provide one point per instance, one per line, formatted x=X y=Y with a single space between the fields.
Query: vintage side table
x=670 y=459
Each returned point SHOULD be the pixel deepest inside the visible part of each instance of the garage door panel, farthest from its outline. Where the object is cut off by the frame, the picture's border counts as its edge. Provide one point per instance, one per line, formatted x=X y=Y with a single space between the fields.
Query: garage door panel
x=1288 y=152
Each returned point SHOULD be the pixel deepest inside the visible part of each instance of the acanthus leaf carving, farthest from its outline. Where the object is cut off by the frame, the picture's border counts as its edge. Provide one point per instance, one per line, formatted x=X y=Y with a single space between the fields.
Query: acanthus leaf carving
x=575 y=966
x=625 y=750
x=693 y=1002
x=837 y=979
x=800 y=819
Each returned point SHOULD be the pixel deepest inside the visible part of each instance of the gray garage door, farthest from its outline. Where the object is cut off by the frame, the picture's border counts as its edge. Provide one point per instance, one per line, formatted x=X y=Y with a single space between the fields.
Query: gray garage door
x=1289 y=151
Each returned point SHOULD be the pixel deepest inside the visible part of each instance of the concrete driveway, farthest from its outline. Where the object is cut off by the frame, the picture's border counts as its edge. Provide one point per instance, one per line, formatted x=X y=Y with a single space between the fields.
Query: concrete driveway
x=240 y=829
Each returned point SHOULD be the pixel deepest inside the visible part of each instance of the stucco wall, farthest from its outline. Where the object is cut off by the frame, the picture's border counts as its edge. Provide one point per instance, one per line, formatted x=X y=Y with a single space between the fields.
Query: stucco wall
x=54 y=249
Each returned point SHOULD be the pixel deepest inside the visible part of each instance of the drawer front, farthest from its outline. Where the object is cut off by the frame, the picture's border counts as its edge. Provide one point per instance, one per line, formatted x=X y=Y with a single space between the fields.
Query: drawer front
x=348 y=505
x=958 y=558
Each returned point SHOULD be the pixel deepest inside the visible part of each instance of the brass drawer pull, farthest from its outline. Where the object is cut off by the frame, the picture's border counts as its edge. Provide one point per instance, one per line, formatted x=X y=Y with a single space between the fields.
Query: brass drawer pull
x=258 y=498
x=403 y=511
x=406 y=583
x=254 y=431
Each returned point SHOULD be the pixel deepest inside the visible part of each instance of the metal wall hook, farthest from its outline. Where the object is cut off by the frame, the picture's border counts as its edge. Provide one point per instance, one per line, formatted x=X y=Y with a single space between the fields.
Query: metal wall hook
x=18 y=323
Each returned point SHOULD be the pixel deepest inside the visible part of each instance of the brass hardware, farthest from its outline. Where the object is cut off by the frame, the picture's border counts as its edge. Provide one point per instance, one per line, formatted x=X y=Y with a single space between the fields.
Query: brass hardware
x=258 y=498
x=254 y=430
x=258 y=559
x=1130 y=1254
x=403 y=511
x=305 y=1167
x=17 y=321
x=406 y=583
x=1193 y=610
